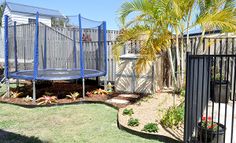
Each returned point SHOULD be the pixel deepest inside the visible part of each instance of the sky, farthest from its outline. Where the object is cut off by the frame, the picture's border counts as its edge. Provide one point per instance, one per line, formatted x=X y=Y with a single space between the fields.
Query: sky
x=100 y=10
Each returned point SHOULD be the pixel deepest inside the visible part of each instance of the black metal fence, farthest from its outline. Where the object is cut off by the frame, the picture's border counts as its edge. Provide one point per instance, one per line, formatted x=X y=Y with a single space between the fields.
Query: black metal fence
x=210 y=98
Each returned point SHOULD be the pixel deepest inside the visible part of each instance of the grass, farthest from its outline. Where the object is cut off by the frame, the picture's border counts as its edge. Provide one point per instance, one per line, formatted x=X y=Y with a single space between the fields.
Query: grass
x=85 y=123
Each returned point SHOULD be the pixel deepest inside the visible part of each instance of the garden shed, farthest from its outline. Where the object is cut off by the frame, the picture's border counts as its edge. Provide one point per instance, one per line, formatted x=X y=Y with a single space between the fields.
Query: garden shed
x=148 y=82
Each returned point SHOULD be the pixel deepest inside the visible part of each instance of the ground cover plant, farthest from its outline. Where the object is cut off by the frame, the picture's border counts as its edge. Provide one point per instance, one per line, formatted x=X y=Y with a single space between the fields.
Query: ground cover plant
x=173 y=117
x=150 y=127
x=128 y=111
x=133 y=122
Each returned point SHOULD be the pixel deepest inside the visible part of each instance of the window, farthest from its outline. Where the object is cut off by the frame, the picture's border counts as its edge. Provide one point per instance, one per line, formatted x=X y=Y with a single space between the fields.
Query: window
x=32 y=21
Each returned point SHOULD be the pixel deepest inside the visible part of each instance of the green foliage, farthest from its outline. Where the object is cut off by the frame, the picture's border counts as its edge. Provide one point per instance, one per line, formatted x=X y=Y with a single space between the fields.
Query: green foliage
x=151 y=127
x=128 y=111
x=15 y=94
x=173 y=117
x=133 y=122
x=100 y=92
x=73 y=96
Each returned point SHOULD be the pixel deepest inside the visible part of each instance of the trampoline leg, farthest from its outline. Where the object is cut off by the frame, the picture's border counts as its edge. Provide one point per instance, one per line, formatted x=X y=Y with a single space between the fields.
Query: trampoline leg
x=8 y=87
x=83 y=83
x=17 y=83
x=34 y=92
x=105 y=83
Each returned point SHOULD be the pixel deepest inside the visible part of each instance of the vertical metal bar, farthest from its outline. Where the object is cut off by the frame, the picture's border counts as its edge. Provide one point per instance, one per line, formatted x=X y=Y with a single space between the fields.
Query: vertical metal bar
x=208 y=88
x=192 y=97
x=191 y=44
x=81 y=48
x=227 y=76
x=74 y=49
x=105 y=52
x=83 y=84
x=187 y=101
x=214 y=77
x=45 y=48
x=15 y=54
x=221 y=61
x=196 y=118
x=8 y=87
x=232 y=123
x=202 y=96
x=6 y=47
x=36 y=52
x=15 y=48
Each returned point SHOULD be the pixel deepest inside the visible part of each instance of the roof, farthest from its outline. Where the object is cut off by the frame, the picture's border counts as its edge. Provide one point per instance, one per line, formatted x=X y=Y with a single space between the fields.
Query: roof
x=21 y=8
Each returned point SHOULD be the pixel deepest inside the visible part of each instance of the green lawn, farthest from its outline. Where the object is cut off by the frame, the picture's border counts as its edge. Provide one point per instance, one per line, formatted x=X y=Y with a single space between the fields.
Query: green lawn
x=84 y=123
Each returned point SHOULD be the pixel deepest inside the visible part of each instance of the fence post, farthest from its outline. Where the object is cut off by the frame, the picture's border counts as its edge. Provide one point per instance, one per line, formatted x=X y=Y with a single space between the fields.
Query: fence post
x=186 y=112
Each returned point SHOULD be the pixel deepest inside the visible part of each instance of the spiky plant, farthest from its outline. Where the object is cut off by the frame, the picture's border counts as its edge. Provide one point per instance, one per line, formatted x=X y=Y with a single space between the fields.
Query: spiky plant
x=73 y=96
x=47 y=100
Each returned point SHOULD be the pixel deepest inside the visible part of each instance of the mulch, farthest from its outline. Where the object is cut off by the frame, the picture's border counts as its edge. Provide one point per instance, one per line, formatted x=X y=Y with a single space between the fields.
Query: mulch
x=60 y=90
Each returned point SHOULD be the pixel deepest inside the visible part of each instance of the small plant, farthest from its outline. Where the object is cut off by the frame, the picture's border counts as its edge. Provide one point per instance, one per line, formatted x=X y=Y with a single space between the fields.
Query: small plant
x=128 y=111
x=100 y=92
x=173 y=117
x=16 y=94
x=109 y=87
x=28 y=99
x=133 y=122
x=151 y=127
x=47 y=100
x=73 y=96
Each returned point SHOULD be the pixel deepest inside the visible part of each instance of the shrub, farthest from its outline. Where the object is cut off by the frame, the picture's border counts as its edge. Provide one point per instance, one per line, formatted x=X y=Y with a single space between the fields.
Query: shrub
x=173 y=117
x=46 y=100
x=133 y=122
x=151 y=127
x=73 y=96
x=128 y=112
x=28 y=99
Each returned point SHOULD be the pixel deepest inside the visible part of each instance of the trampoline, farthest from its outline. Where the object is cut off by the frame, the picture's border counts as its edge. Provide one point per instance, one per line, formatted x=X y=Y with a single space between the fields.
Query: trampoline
x=36 y=51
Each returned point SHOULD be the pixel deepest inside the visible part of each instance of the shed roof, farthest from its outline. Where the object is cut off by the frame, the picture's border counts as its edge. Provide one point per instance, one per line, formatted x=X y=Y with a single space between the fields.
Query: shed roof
x=21 y=8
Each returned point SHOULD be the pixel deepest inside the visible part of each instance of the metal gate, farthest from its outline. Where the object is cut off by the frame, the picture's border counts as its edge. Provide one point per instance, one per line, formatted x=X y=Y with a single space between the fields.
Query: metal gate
x=210 y=99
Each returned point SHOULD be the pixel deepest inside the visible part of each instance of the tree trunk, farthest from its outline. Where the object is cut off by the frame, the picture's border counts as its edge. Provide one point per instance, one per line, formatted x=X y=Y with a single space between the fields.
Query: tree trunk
x=177 y=58
x=182 y=61
x=172 y=67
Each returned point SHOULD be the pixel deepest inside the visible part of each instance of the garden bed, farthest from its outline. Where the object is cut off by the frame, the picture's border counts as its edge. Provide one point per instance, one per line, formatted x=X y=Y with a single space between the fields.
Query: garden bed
x=60 y=90
x=151 y=110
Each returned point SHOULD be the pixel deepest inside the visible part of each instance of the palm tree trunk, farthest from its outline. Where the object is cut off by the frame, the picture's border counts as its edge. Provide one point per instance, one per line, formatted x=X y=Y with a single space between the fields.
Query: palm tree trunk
x=182 y=61
x=177 y=58
x=172 y=66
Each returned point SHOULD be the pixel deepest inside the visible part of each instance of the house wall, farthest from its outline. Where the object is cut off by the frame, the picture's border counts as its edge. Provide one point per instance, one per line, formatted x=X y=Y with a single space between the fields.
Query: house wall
x=22 y=18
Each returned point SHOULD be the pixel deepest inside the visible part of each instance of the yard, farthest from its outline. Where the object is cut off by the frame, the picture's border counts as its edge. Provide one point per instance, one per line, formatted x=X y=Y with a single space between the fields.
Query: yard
x=59 y=124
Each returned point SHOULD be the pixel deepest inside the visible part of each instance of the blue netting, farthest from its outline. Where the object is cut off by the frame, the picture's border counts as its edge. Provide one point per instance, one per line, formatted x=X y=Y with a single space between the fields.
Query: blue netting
x=78 y=44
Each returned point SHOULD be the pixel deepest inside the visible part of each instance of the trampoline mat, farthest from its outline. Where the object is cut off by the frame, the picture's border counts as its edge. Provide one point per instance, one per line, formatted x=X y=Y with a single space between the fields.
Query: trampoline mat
x=56 y=74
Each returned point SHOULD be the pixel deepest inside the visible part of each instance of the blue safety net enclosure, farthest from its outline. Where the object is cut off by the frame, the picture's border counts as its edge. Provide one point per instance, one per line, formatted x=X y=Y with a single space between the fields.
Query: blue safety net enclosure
x=36 y=51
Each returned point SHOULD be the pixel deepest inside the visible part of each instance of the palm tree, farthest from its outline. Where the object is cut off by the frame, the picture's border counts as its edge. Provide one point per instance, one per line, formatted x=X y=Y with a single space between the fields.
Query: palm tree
x=156 y=22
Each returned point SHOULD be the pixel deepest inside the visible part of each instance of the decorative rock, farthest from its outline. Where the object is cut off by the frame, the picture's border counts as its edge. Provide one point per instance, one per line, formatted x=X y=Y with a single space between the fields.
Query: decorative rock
x=129 y=95
x=118 y=101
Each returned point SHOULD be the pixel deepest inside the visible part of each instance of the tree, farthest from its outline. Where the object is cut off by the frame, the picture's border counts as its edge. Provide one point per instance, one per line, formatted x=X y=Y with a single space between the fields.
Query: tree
x=156 y=22
x=2 y=7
